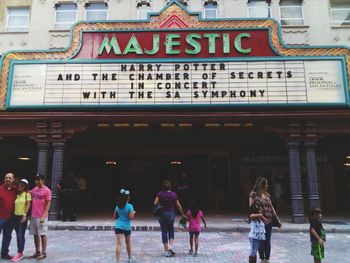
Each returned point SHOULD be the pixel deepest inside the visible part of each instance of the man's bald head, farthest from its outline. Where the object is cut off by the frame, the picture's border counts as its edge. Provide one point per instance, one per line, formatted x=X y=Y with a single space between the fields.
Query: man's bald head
x=9 y=179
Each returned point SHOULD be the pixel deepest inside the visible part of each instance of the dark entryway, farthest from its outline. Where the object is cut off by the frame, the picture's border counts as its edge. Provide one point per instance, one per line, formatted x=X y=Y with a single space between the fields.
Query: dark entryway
x=141 y=174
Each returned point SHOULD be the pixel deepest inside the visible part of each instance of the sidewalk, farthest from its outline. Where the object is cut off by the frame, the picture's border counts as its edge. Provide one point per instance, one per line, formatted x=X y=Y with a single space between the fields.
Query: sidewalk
x=215 y=223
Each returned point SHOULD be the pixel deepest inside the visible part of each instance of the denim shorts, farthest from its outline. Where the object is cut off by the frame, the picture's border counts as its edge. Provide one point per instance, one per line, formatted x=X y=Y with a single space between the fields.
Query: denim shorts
x=122 y=231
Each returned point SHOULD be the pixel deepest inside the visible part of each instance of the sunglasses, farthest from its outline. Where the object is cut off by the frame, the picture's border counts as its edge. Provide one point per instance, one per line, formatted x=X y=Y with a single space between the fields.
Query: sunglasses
x=123 y=191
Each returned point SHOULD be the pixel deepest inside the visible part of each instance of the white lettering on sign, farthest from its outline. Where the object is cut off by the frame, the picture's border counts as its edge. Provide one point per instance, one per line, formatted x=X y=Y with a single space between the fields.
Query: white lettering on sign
x=221 y=83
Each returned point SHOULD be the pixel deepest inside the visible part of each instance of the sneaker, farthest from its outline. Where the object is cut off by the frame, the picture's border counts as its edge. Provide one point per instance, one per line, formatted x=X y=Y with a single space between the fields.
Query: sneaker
x=17 y=257
x=190 y=252
x=171 y=251
x=195 y=254
x=166 y=254
x=6 y=257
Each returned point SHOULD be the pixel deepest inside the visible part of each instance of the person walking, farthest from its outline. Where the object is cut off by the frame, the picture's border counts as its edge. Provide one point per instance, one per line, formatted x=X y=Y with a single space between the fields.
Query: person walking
x=7 y=206
x=317 y=235
x=183 y=190
x=68 y=188
x=168 y=200
x=194 y=216
x=41 y=201
x=20 y=220
x=261 y=197
x=257 y=230
x=123 y=214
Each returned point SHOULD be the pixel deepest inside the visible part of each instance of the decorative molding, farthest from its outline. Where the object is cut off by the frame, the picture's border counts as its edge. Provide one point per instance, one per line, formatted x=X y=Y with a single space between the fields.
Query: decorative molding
x=58 y=39
x=143 y=2
x=183 y=2
x=57 y=2
x=82 y=2
x=295 y=33
x=206 y=2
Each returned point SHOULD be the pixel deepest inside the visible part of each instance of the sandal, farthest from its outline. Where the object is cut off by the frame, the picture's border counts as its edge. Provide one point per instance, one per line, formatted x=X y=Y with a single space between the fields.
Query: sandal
x=42 y=256
x=35 y=255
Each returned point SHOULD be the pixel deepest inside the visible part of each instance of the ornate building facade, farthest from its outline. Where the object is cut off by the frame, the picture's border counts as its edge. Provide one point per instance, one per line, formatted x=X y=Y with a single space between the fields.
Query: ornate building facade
x=129 y=93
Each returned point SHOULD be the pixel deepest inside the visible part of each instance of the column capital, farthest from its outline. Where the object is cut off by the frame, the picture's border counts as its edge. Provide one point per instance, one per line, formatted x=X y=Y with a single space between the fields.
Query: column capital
x=293 y=145
x=43 y=144
x=310 y=145
x=58 y=145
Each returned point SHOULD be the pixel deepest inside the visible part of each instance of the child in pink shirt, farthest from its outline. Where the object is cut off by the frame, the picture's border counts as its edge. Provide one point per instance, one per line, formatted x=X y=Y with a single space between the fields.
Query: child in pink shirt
x=194 y=216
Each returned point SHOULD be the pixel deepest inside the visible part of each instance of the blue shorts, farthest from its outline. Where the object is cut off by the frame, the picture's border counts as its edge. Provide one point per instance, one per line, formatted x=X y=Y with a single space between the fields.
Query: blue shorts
x=122 y=231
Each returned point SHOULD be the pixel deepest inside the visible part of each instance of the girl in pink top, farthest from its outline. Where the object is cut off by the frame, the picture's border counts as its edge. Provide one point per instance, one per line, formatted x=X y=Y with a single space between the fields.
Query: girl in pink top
x=194 y=216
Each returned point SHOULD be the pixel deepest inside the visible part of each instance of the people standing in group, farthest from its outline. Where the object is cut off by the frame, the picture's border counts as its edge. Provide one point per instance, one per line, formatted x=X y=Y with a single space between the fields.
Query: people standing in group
x=7 y=206
x=257 y=230
x=68 y=188
x=261 y=197
x=168 y=200
x=317 y=235
x=20 y=219
x=123 y=214
x=195 y=215
x=41 y=201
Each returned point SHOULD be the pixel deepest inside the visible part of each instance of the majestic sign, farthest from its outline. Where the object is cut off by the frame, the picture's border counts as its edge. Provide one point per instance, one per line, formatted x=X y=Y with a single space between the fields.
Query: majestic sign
x=190 y=44
x=176 y=59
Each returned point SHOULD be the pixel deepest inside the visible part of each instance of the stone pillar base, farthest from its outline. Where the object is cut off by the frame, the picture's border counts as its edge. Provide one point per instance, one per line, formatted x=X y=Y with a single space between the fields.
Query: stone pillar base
x=55 y=208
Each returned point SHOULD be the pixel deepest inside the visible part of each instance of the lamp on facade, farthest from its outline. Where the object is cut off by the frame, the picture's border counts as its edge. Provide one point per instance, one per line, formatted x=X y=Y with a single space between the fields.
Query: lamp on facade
x=24 y=158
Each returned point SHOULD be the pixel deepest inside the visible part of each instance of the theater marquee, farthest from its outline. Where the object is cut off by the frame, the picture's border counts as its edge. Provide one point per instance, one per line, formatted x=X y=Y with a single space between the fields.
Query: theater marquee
x=210 y=83
x=172 y=60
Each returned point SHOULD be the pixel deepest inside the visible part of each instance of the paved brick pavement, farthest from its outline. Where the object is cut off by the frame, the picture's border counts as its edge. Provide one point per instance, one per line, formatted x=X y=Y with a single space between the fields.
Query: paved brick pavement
x=99 y=247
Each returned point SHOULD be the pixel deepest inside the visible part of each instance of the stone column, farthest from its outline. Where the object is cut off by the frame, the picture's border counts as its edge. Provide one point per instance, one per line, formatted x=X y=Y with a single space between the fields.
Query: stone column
x=312 y=180
x=43 y=158
x=295 y=183
x=57 y=170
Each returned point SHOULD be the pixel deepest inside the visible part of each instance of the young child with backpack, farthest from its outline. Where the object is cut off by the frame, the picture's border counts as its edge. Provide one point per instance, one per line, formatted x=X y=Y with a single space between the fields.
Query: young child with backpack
x=257 y=230
x=194 y=216
x=317 y=235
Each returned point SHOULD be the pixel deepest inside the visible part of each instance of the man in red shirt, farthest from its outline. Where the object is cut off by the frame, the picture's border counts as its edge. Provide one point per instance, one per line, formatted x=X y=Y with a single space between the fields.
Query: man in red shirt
x=7 y=207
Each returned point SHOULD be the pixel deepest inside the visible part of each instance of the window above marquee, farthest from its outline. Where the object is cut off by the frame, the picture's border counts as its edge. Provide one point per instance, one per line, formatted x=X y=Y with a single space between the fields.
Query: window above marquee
x=96 y=11
x=259 y=8
x=65 y=15
x=291 y=12
x=210 y=10
x=17 y=19
x=143 y=7
x=340 y=12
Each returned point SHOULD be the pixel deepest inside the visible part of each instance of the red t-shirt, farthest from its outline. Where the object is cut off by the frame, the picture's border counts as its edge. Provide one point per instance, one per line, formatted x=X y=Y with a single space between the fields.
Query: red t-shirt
x=7 y=202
